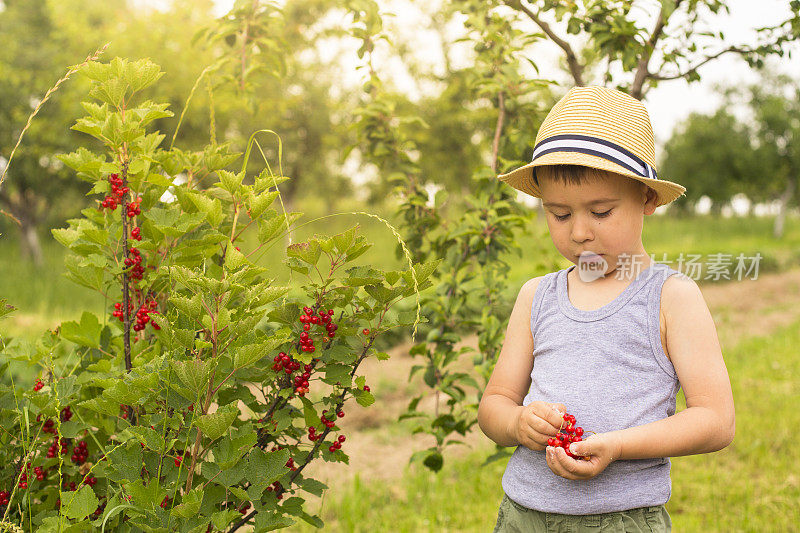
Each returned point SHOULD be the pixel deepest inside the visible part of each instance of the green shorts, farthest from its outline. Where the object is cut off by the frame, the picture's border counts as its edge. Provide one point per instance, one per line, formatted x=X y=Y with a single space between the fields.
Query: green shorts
x=515 y=518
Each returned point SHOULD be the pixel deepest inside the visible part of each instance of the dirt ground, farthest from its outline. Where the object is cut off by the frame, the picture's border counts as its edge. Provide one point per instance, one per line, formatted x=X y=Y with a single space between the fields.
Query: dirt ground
x=739 y=309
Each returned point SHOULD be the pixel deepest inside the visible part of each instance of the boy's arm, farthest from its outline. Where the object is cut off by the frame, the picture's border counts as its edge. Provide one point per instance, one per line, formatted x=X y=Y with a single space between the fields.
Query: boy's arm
x=708 y=422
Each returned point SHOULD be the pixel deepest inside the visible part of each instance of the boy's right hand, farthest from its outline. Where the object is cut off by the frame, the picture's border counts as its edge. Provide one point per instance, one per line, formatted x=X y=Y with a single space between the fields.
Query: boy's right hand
x=536 y=422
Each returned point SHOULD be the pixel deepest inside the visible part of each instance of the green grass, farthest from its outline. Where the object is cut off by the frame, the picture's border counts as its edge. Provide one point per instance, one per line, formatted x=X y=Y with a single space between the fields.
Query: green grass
x=752 y=485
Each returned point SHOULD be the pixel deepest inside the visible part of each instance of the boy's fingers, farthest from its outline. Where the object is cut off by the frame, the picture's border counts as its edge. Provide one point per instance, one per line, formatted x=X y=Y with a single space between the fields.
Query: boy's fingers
x=556 y=415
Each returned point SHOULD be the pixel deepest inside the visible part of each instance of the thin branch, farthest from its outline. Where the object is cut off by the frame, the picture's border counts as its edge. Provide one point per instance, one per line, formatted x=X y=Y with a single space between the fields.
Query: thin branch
x=700 y=64
x=498 y=130
x=575 y=68
x=642 y=72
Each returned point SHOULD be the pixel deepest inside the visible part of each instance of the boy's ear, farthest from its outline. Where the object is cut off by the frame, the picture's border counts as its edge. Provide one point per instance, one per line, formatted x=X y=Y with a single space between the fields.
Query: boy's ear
x=651 y=197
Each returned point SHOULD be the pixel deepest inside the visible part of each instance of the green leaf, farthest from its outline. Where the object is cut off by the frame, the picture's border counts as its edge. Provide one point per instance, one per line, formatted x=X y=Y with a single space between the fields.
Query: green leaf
x=260 y=202
x=123 y=392
x=336 y=372
x=149 y=437
x=80 y=503
x=364 y=398
x=190 y=505
x=362 y=275
x=343 y=241
x=380 y=293
x=87 y=333
x=141 y=74
x=189 y=307
x=264 y=469
x=234 y=259
x=70 y=428
x=228 y=477
x=126 y=461
x=66 y=236
x=194 y=373
x=307 y=252
x=309 y=413
x=357 y=249
x=91 y=277
x=215 y=425
x=211 y=207
x=230 y=451
x=229 y=181
x=147 y=496
x=247 y=355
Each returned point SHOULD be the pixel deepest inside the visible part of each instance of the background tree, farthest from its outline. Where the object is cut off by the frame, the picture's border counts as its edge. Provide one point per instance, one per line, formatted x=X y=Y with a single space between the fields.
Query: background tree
x=33 y=57
x=775 y=104
x=675 y=47
x=713 y=155
x=721 y=155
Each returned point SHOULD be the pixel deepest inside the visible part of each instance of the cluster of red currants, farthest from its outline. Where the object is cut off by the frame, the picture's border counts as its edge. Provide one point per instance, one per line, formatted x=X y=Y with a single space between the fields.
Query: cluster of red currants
x=142 y=315
x=134 y=208
x=51 y=451
x=165 y=502
x=4 y=496
x=39 y=473
x=134 y=260
x=38 y=386
x=66 y=414
x=567 y=434
x=79 y=453
x=278 y=488
x=244 y=508
x=309 y=318
x=90 y=480
x=285 y=362
x=118 y=191
x=100 y=508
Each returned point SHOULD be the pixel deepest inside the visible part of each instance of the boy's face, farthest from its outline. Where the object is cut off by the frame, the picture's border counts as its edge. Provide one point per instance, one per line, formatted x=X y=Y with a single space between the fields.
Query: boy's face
x=609 y=228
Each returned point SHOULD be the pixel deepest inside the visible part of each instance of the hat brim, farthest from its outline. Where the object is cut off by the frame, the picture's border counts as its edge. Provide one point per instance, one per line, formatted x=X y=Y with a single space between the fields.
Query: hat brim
x=522 y=178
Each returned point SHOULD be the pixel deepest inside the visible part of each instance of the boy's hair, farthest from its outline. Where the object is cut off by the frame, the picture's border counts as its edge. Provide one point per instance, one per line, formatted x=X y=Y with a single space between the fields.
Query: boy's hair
x=572 y=174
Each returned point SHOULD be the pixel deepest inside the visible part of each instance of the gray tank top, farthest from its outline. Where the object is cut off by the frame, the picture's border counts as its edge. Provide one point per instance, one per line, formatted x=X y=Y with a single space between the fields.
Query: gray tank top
x=608 y=367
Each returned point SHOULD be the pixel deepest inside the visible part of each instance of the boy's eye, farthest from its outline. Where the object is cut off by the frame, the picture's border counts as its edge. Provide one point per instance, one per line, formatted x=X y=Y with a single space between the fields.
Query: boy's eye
x=599 y=215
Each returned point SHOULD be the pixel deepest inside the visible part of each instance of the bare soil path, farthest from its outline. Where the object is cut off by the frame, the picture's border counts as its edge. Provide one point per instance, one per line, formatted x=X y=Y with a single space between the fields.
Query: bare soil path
x=378 y=451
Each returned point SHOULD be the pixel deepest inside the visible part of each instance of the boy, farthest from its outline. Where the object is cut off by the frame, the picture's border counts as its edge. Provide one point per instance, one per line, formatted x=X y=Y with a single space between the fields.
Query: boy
x=610 y=343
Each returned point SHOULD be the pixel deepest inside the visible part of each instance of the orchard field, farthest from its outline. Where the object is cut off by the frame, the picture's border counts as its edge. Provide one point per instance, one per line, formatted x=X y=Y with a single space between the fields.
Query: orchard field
x=221 y=184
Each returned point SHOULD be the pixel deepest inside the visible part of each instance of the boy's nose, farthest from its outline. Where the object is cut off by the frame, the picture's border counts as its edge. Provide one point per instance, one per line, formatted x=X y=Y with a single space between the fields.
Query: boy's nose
x=581 y=231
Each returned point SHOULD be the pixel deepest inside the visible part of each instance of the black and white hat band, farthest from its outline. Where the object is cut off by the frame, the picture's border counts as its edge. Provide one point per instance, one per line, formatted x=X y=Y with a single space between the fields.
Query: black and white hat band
x=595 y=146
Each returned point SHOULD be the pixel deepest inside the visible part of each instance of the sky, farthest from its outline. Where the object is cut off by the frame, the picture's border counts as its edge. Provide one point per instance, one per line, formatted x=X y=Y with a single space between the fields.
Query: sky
x=668 y=104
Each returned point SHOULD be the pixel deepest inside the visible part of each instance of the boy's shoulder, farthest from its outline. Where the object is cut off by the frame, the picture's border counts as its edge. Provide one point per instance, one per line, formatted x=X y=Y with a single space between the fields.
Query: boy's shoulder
x=680 y=291
x=528 y=289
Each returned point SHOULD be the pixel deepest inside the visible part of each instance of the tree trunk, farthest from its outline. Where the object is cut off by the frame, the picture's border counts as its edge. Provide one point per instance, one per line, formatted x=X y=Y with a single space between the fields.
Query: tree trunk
x=787 y=195
x=24 y=208
x=29 y=243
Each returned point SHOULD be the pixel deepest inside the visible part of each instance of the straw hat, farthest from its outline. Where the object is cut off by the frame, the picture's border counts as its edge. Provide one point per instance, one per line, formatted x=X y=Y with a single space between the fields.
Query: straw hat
x=600 y=128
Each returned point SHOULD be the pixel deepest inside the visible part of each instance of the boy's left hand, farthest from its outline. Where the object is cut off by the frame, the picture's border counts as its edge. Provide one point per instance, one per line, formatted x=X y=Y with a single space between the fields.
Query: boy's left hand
x=601 y=449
